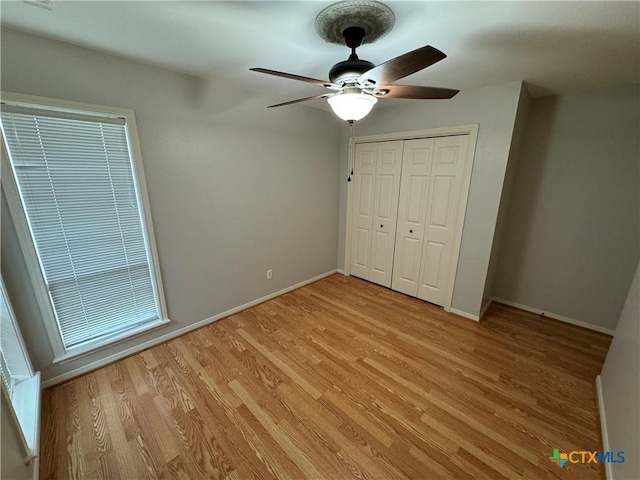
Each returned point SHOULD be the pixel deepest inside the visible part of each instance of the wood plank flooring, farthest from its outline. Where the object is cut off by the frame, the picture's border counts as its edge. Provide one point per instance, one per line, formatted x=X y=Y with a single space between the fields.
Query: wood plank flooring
x=340 y=379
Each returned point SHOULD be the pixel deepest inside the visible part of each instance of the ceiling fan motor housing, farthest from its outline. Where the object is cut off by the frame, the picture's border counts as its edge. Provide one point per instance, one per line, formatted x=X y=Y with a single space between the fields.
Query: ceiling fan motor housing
x=348 y=71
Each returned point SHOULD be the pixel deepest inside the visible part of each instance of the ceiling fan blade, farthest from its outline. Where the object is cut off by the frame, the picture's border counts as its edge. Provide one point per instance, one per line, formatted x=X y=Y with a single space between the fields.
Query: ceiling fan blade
x=322 y=83
x=401 y=66
x=323 y=95
x=413 y=91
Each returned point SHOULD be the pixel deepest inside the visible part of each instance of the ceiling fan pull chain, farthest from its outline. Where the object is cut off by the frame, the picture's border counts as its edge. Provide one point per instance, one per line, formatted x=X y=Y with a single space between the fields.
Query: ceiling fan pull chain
x=352 y=129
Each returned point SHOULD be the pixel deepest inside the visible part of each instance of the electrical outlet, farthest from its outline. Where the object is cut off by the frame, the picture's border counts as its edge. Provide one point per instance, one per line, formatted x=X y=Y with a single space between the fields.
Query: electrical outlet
x=269 y=274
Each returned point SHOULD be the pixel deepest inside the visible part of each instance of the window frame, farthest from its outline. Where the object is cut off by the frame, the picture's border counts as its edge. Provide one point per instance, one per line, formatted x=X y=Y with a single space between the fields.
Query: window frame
x=62 y=354
x=24 y=401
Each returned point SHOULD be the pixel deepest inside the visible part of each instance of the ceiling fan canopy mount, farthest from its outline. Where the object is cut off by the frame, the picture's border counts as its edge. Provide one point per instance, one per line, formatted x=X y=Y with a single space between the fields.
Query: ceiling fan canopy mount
x=375 y=18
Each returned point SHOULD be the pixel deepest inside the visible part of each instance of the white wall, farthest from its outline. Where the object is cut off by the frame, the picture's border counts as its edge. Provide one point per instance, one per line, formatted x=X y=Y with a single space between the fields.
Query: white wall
x=522 y=115
x=494 y=109
x=573 y=232
x=12 y=455
x=620 y=381
x=234 y=188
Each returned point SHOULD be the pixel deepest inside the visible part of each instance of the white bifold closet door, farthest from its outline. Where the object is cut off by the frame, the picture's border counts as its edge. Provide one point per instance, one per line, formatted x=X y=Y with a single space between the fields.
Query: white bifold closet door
x=431 y=182
x=412 y=213
x=376 y=189
x=406 y=202
x=445 y=189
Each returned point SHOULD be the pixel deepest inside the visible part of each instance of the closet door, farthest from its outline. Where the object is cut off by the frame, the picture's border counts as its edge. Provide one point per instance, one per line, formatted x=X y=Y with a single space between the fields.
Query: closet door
x=385 y=211
x=449 y=156
x=412 y=211
x=364 y=172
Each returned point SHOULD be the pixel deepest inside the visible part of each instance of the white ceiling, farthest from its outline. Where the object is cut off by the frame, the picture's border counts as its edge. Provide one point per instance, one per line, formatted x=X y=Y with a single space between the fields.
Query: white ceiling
x=554 y=46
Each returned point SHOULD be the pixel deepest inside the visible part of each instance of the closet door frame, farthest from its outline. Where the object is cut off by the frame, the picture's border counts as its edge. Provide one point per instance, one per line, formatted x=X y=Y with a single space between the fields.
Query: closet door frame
x=472 y=131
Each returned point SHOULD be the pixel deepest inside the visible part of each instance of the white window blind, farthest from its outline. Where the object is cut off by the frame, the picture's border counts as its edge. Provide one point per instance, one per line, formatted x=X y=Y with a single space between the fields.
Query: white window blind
x=77 y=183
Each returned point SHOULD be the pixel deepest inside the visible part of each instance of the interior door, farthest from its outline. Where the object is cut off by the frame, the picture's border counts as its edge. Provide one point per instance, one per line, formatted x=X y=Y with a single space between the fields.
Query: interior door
x=385 y=211
x=412 y=211
x=364 y=172
x=449 y=156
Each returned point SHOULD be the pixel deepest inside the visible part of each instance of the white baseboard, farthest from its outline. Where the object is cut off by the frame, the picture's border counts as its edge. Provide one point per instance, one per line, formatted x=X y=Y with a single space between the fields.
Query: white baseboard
x=176 y=333
x=603 y=426
x=460 y=313
x=341 y=271
x=554 y=316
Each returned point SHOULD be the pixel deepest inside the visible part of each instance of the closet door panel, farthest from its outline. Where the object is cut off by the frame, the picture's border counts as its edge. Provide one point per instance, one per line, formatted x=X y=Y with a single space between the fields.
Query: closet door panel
x=379 y=253
x=443 y=205
x=362 y=210
x=443 y=186
x=405 y=266
x=386 y=191
x=433 y=258
x=412 y=211
x=362 y=244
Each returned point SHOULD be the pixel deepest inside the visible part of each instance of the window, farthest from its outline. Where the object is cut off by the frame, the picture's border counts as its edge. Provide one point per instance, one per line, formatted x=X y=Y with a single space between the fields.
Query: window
x=75 y=176
x=19 y=383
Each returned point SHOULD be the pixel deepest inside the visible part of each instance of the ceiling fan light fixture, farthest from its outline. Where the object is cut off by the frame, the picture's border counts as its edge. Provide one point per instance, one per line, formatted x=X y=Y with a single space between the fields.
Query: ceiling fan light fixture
x=352 y=106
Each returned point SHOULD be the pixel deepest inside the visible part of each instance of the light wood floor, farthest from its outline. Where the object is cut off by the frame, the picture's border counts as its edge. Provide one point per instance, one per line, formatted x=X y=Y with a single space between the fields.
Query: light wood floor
x=340 y=379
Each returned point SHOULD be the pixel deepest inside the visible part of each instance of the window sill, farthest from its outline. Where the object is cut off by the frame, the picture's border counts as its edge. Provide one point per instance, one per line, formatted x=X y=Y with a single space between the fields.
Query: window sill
x=96 y=345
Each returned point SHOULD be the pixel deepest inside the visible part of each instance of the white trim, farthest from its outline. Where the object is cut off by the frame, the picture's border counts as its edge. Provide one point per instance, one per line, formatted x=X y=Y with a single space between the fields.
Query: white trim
x=341 y=272
x=176 y=333
x=460 y=313
x=27 y=244
x=140 y=184
x=431 y=132
x=29 y=452
x=104 y=342
x=484 y=310
x=12 y=319
x=30 y=401
x=26 y=399
x=608 y=468
x=57 y=104
x=470 y=130
x=554 y=316
x=26 y=404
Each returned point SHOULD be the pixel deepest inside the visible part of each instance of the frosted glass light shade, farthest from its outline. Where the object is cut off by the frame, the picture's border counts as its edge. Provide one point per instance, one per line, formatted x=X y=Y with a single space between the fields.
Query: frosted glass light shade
x=352 y=106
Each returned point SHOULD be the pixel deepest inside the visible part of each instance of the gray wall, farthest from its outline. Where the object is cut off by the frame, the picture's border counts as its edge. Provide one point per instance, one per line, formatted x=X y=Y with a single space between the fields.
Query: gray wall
x=522 y=115
x=12 y=455
x=621 y=386
x=234 y=188
x=572 y=240
x=494 y=109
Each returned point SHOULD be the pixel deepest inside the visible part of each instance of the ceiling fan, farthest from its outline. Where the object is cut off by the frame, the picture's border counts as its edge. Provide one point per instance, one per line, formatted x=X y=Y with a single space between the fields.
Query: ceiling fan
x=356 y=85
